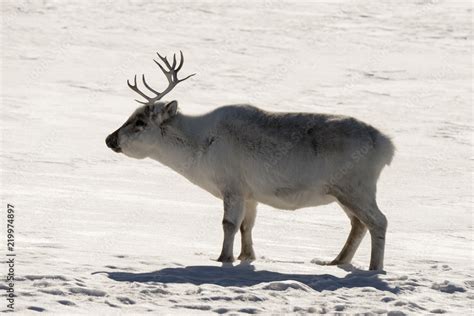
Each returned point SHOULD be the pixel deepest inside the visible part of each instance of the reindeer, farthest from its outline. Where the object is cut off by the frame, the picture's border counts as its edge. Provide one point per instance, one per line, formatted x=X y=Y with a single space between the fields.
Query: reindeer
x=245 y=156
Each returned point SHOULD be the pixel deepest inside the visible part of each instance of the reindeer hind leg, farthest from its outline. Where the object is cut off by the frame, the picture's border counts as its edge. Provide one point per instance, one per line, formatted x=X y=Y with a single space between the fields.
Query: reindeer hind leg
x=356 y=235
x=363 y=206
x=247 y=253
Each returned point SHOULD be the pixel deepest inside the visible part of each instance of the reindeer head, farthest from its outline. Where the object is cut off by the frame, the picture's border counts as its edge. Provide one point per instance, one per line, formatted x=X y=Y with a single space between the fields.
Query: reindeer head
x=140 y=133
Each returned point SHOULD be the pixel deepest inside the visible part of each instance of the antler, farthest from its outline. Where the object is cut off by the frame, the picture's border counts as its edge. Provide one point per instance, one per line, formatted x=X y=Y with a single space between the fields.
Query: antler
x=171 y=73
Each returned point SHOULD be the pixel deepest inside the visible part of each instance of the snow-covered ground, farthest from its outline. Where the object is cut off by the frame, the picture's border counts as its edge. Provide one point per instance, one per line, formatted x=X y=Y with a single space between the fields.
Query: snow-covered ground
x=99 y=233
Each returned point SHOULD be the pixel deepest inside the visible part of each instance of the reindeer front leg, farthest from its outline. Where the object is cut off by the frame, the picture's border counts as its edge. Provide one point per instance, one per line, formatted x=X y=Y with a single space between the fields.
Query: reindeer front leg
x=233 y=217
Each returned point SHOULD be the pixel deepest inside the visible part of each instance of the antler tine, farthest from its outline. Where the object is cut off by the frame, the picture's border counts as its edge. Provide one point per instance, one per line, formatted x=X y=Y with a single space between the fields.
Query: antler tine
x=148 y=87
x=186 y=77
x=130 y=85
x=159 y=65
x=134 y=87
x=165 y=60
x=174 y=61
x=167 y=73
x=142 y=102
x=180 y=62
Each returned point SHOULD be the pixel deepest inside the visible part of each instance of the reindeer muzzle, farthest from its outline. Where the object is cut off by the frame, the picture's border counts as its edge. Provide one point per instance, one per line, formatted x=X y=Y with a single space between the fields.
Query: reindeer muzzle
x=112 y=142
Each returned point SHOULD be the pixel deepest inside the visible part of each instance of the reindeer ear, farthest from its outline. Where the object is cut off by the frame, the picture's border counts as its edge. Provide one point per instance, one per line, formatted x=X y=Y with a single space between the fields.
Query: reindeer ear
x=171 y=108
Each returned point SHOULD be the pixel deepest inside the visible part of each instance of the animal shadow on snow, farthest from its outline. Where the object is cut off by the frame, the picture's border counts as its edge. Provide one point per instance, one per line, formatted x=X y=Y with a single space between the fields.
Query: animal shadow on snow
x=246 y=275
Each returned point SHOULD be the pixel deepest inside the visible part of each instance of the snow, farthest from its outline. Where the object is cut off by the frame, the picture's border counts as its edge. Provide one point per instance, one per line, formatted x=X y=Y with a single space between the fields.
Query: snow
x=98 y=233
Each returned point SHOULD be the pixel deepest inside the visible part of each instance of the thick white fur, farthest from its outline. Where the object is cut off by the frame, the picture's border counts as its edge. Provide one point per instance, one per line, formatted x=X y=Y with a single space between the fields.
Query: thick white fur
x=245 y=156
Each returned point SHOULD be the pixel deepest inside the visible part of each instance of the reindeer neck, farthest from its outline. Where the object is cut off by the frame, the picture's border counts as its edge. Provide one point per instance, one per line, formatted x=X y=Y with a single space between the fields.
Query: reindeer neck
x=179 y=143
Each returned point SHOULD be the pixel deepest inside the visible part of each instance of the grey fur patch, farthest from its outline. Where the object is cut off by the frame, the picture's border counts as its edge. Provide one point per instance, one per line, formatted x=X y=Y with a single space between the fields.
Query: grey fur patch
x=322 y=133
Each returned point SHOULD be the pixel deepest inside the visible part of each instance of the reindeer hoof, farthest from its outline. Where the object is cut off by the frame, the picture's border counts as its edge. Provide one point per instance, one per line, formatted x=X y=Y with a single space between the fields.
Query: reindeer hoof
x=328 y=263
x=335 y=263
x=376 y=267
x=224 y=258
x=247 y=257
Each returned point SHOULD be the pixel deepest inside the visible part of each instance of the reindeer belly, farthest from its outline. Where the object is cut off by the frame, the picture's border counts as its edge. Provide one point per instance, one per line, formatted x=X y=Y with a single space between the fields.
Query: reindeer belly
x=292 y=198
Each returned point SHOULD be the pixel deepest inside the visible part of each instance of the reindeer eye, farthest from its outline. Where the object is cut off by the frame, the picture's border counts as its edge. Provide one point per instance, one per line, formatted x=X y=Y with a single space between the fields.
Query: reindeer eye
x=140 y=123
